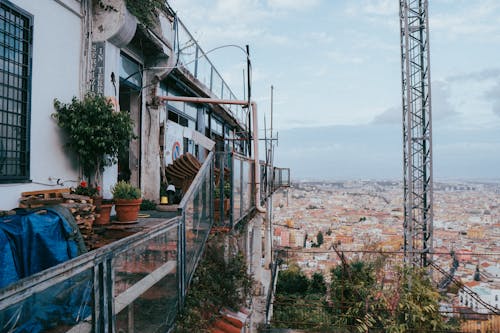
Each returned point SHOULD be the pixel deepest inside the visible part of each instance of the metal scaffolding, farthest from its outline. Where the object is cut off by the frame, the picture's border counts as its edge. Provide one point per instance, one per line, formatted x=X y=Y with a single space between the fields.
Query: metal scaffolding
x=417 y=132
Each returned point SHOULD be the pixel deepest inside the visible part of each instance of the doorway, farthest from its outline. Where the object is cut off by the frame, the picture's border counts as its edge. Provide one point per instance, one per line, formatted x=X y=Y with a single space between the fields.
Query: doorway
x=129 y=158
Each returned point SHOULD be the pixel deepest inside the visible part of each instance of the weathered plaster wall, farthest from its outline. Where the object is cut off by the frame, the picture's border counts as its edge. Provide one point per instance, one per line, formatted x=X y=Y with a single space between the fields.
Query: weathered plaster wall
x=57 y=33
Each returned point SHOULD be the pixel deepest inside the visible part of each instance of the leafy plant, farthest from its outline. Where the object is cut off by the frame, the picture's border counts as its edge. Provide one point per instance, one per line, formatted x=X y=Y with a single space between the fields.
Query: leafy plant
x=145 y=10
x=95 y=132
x=226 y=190
x=358 y=300
x=217 y=283
x=124 y=190
x=148 y=205
x=84 y=189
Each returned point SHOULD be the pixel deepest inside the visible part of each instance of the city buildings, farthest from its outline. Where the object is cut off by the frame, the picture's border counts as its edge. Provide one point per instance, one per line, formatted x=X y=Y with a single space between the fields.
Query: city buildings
x=364 y=218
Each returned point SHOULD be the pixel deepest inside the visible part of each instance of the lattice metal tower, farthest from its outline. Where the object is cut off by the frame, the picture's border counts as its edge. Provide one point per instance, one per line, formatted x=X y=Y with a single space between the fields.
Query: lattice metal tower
x=417 y=132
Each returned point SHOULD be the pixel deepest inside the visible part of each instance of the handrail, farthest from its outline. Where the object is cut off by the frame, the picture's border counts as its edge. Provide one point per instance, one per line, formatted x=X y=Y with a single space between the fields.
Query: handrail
x=40 y=281
x=204 y=54
x=220 y=92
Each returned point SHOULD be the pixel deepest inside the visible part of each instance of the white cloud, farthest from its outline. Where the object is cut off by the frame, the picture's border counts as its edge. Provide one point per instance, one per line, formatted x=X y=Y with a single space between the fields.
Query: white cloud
x=293 y=4
x=342 y=58
x=471 y=18
x=494 y=96
x=320 y=37
x=372 y=7
x=441 y=107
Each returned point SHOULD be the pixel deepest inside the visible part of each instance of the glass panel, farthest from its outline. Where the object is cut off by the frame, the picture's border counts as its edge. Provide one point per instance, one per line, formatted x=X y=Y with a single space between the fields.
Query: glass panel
x=55 y=309
x=179 y=106
x=216 y=84
x=204 y=71
x=236 y=189
x=246 y=189
x=144 y=258
x=197 y=223
x=130 y=70
x=187 y=49
x=146 y=291
x=191 y=110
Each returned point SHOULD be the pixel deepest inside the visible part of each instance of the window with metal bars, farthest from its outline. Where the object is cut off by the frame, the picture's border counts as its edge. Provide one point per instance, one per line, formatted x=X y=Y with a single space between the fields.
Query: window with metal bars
x=15 y=84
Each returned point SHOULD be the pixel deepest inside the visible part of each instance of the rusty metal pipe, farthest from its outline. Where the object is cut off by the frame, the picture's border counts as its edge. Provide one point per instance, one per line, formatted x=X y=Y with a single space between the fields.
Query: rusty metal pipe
x=201 y=100
x=255 y=131
x=259 y=208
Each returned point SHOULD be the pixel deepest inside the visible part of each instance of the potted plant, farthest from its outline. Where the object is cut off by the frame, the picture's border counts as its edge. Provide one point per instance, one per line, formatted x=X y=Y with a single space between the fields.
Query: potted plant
x=104 y=213
x=95 y=132
x=127 y=199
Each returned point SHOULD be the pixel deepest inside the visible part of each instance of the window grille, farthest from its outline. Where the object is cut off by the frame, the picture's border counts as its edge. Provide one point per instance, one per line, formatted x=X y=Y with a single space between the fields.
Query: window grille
x=15 y=82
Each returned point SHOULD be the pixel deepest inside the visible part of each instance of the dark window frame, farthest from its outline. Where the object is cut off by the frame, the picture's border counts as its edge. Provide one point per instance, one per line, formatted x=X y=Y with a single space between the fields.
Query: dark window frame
x=16 y=54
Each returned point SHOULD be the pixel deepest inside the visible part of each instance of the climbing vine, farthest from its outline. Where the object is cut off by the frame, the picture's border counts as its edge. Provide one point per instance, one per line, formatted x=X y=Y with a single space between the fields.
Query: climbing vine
x=146 y=11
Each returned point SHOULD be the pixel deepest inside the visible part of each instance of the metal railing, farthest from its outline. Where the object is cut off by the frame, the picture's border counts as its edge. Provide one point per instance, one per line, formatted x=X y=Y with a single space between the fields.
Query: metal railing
x=281 y=178
x=100 y=289
x=136 y=284
x=235 y=188
x=195 y=61
x=271 y=289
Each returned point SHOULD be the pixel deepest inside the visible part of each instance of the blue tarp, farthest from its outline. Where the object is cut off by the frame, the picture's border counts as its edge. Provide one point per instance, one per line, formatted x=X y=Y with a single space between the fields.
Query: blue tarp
x=32 y=241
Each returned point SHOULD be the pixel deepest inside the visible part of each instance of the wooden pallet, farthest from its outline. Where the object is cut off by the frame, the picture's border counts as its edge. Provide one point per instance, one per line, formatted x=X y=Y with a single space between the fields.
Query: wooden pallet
x=34 y=199
x=47 y=194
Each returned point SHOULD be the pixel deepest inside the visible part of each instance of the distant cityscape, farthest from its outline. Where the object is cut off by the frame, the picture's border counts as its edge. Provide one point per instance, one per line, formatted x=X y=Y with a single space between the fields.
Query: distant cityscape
x=313 y=220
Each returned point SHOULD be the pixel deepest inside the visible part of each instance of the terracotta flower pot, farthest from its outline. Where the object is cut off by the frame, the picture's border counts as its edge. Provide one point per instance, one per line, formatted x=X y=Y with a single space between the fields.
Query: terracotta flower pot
x=127 y=209
x=104 y=214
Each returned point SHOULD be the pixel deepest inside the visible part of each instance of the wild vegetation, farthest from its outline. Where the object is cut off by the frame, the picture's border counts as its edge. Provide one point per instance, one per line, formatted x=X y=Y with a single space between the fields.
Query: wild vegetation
x=220 y=281
x=358 y=299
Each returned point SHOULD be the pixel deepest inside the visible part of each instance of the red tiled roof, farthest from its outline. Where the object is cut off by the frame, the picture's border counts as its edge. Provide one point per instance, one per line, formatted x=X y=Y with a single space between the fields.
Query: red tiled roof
x=226 y=326
x=230 y=322
x=471 y=284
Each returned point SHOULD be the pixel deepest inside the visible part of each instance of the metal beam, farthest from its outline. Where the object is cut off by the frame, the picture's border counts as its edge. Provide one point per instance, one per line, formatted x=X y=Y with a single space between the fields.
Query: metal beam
x=202 y=100
x=417 y=132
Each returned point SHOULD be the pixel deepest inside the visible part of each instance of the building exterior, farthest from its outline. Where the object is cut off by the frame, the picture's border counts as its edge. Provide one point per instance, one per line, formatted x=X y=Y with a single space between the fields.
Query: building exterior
x=106 y=50
x=488 y=293
x=151 y=67
x=40 y=62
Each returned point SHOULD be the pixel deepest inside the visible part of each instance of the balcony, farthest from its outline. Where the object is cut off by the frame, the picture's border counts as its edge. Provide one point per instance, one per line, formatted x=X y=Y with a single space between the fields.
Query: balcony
x=135 y=284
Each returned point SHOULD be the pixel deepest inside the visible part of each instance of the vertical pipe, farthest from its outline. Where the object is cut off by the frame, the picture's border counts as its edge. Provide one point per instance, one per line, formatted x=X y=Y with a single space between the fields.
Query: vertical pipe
x=249 y=90
x=272 y=96
x=256 y=161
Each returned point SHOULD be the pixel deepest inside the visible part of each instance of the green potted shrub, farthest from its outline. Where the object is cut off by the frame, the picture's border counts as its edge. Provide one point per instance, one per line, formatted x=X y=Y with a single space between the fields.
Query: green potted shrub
x=127 y=199
x=95 y=132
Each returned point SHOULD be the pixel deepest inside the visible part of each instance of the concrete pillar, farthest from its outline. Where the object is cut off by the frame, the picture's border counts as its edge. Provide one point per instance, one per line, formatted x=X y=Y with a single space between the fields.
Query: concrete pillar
x=248 y=246
x=257 y=247
x=150 y=143
x=268 y=234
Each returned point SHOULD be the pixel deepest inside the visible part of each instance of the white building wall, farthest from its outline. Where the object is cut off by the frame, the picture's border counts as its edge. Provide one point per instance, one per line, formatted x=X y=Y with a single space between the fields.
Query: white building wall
x=112 y=63
x=57 y=33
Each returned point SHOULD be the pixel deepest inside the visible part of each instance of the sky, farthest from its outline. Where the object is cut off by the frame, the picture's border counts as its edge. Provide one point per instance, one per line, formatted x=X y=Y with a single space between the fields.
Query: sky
x=335 y=66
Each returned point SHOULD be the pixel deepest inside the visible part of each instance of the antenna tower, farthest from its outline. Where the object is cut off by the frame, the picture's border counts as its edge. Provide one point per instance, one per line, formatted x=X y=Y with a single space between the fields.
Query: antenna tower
x=417 y=132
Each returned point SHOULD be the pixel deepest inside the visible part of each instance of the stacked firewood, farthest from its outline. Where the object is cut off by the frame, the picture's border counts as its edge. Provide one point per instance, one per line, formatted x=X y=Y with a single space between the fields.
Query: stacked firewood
x=83 y=211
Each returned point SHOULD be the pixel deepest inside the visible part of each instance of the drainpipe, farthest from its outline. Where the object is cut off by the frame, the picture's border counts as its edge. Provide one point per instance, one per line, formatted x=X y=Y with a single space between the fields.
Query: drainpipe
x=259 y=208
